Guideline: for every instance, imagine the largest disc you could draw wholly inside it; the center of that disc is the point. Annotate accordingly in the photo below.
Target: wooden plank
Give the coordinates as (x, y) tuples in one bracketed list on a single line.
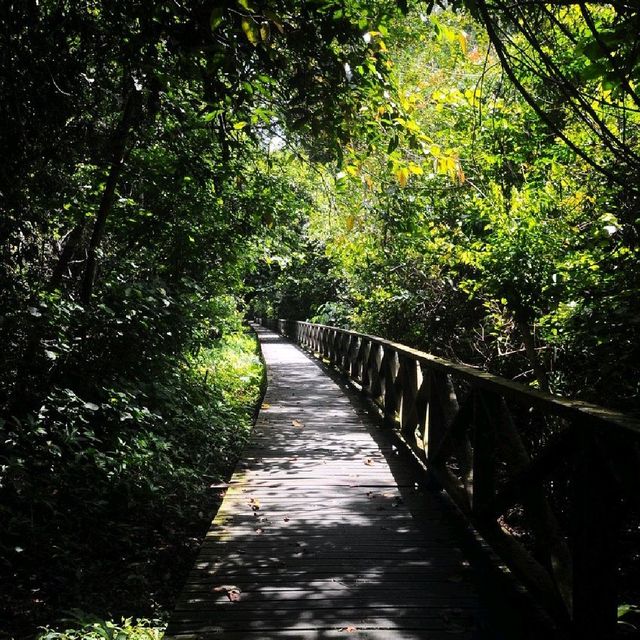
[(351, 633), (208, 595), (336, 619)]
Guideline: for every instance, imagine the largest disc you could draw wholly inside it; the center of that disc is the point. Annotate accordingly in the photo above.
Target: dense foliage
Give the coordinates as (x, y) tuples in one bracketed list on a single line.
[(104, 504), (462, 222), (460, 176), (138, 188)]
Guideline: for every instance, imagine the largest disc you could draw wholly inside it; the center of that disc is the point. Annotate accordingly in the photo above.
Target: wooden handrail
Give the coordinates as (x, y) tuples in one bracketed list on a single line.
[(543, 478)]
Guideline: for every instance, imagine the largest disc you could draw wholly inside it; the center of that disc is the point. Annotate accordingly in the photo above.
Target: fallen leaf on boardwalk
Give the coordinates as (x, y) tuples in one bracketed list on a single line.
[(297, 423), (265, 405), (286, 518), (259, 530), (254, 504), (368, 461), (349, 629), (231, 591)]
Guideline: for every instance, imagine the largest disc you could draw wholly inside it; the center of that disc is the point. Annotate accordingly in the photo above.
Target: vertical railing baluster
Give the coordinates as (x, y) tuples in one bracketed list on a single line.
[(486, 407), (422, 407), (375, 362), (594, 536), (442, 406), (409, 394), (390, 398)]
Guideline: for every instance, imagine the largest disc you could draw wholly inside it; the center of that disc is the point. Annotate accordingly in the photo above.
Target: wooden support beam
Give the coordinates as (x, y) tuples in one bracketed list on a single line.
[(594, 524)]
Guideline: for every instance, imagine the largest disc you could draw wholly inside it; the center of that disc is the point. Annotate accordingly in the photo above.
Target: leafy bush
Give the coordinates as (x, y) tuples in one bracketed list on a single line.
[(106, 490), (83, 627)]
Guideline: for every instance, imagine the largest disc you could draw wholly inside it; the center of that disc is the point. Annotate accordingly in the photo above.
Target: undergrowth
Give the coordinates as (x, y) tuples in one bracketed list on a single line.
[(105, 517)]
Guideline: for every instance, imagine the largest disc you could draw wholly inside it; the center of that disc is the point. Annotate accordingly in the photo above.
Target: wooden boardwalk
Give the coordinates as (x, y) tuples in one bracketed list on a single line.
[(315, 538)]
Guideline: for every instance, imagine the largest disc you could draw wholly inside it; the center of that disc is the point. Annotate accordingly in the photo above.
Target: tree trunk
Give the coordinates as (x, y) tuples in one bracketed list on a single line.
[(121, 137), (68, 251)]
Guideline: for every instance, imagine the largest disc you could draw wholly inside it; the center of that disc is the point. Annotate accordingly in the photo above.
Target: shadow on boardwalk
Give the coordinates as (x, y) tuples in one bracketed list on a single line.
[(325, 531)]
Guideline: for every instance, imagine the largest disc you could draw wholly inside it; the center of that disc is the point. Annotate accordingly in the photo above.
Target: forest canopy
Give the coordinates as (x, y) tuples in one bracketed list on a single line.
[(486, 207), (458, 176)]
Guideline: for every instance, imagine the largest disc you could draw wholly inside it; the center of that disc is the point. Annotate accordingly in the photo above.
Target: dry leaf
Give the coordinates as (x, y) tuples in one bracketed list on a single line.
[(259, 530), (265, 405), (297, 423), (286, 518), (349, 629), (368, 461), (254, 504), (230, 590)]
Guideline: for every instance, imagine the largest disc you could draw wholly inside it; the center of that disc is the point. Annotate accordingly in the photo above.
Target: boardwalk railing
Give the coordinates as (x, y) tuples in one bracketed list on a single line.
[(551, 484)]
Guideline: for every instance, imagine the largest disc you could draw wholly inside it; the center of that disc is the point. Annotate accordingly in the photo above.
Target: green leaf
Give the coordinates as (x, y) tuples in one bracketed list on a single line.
[(248, 5), (250, 29), (265, 32), (593, 71), (216, 18), (208, 117)]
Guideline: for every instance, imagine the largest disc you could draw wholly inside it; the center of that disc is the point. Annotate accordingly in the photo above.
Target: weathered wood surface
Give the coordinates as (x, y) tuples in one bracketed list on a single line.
[(314, 539)]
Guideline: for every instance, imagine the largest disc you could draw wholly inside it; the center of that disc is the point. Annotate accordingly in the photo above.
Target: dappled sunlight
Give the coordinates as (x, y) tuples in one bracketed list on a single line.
[(314, 537)]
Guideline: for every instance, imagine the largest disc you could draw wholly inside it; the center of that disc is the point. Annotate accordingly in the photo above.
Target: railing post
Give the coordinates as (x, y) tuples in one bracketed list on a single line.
[(353, 357), (374, 365), (594, 535), (333, 353), (408, 396), (365, 350), (388, 372), (422, 408), (486, 408), (345, 348), (442, 406)]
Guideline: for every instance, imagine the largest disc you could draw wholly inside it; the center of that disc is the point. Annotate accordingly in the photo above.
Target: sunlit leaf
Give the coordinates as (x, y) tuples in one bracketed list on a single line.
[(402, 176), (462, 39), (216, 18), (248, 5), (250, 29)]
